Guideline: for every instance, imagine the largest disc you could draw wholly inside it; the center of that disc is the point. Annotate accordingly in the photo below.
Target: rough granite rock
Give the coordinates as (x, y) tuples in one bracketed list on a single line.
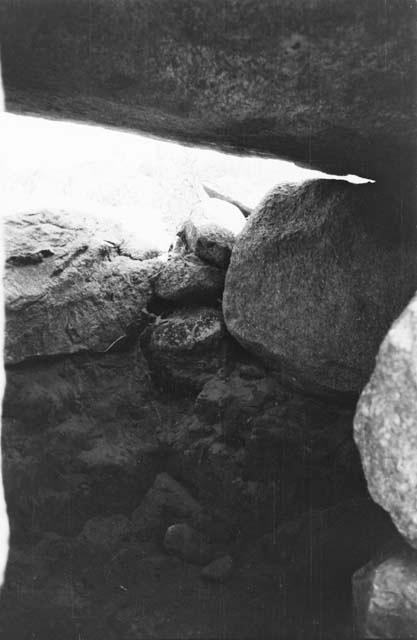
[(386, 425), (68, 286), (327, 83), (186, 348), (189, 277), (316, 278), (385, 597), (211, 230)]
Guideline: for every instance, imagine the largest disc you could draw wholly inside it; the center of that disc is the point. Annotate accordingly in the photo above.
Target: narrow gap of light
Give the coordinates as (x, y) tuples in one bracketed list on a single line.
[(60, 163)]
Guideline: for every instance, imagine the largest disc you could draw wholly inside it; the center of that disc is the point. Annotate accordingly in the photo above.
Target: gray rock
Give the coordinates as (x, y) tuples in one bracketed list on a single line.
[(189, 277), (186, 348), (67, 288), (107, 532), (386, 425), (185, 542), (211, 230), (385, 597), (308, 82), (164, 504), (316, 278), (219, 570)]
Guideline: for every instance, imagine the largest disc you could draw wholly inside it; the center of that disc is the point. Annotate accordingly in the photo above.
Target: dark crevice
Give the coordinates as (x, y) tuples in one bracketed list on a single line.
[(27, 259)]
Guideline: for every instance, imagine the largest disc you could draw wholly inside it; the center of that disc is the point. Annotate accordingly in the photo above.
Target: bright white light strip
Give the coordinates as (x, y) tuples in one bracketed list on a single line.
[(47, 162), (4, 521)]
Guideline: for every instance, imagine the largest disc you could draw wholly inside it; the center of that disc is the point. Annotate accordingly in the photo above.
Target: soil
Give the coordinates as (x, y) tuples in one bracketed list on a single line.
[(82, 595)]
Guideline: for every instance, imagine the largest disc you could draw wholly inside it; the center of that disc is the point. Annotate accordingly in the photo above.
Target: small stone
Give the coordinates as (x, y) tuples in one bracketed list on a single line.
[(185, 542), (219, 570), (315, 279), (189, 277), (211, 230), (385, 597)]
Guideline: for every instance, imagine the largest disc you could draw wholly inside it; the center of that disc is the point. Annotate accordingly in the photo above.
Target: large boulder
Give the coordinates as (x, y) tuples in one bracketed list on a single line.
[(68, 286), (316, 278), (386, 425), (330, 84)]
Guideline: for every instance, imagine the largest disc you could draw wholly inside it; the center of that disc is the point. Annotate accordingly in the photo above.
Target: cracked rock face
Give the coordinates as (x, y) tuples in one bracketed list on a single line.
[(386, 425), (189, 278), (68, 285), (316, 278)]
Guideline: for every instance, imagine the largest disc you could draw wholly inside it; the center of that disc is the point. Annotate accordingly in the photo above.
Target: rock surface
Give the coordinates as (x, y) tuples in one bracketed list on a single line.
[(186, 347), (328, 84), (385, 597), (211, 230), (316, 278), (67, 286), (386, 425), (189, 278)]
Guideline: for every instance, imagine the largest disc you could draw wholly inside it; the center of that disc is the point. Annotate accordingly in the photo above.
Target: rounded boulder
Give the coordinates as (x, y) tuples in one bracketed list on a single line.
[(385, 425), (316, 278)]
